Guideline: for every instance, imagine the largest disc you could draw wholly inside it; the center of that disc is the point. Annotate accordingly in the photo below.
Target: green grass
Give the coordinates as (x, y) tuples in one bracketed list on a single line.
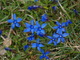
[(70, 50)]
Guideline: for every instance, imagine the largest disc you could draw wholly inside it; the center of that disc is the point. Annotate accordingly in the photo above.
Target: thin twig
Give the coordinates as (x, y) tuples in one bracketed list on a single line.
[(64, 9), (3, 22), (9, 33), (3, 37)]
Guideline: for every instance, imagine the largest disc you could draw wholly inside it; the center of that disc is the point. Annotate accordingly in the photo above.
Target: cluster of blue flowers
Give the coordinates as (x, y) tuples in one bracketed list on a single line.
[(35, 28)]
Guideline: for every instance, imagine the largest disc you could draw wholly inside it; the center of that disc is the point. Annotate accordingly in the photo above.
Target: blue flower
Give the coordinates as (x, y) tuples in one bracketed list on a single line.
[(39, 28), (44, 54), (15, 21), (33, 7), (35, 0), (37, 44), (0, 32), (26, 47), (60, 28), (8, 49), (54, 8), (44, 18), (68, 22), (75, 11), (30, 27), (30, 38), (60, 37), (53, 40)]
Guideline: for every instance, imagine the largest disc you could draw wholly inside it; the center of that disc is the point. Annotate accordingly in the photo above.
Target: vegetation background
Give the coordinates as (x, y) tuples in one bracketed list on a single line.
[(70, 50)]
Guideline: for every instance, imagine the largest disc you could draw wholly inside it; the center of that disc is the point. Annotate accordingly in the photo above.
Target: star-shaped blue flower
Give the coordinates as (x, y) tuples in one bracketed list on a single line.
[(68, 22), (15, 21), (44, 54), (35, 0), (54, 8), (60, 37), (44, 18), (39, 28), (33, 7), (26, 47), (52, 40), (0, 32), (37, 44), (30, 38), (59, 28), (30, 27)]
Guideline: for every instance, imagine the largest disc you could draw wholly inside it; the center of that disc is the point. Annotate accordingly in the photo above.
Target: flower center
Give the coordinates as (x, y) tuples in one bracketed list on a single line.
[(39, 28), (15, 21), (31, 26)]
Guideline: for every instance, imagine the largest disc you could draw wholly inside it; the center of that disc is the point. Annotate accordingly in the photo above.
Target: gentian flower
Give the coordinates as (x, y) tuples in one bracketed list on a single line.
[(0, 32), (39, 28), (8, 49), (26, 47), (44, 54), (75, 11), (35, 0), (68, 22), (52, 40), (54, 8), (59, 28), (30, 27), (15, 21), (44, 18), (30, 38), (33, 7), (37, 45), (60, 37)]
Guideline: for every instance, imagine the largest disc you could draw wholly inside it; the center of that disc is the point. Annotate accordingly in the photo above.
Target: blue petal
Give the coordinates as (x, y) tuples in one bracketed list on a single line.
[(55, 43), (40, 45), (38, 40), (59, 31), (47, 52), (42, 31), (42, 51), (32, 22), (0, 32), (43, 25), (47, 57), (57, 23), (49, 37), (39, 49), (26, 47), (50, 41), (63, 29), (13, 26), (35, 0), (27, 30), (19, 19), (59, 39), (54, 7), (55, 35), (17, 25), (33, 45), (14, 16), (10, 21), (63, 40), (63, 24), (41, 57), (27, 25), (30, 38), (32, 30), (65, 34), (55, 27), (37, 23)]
